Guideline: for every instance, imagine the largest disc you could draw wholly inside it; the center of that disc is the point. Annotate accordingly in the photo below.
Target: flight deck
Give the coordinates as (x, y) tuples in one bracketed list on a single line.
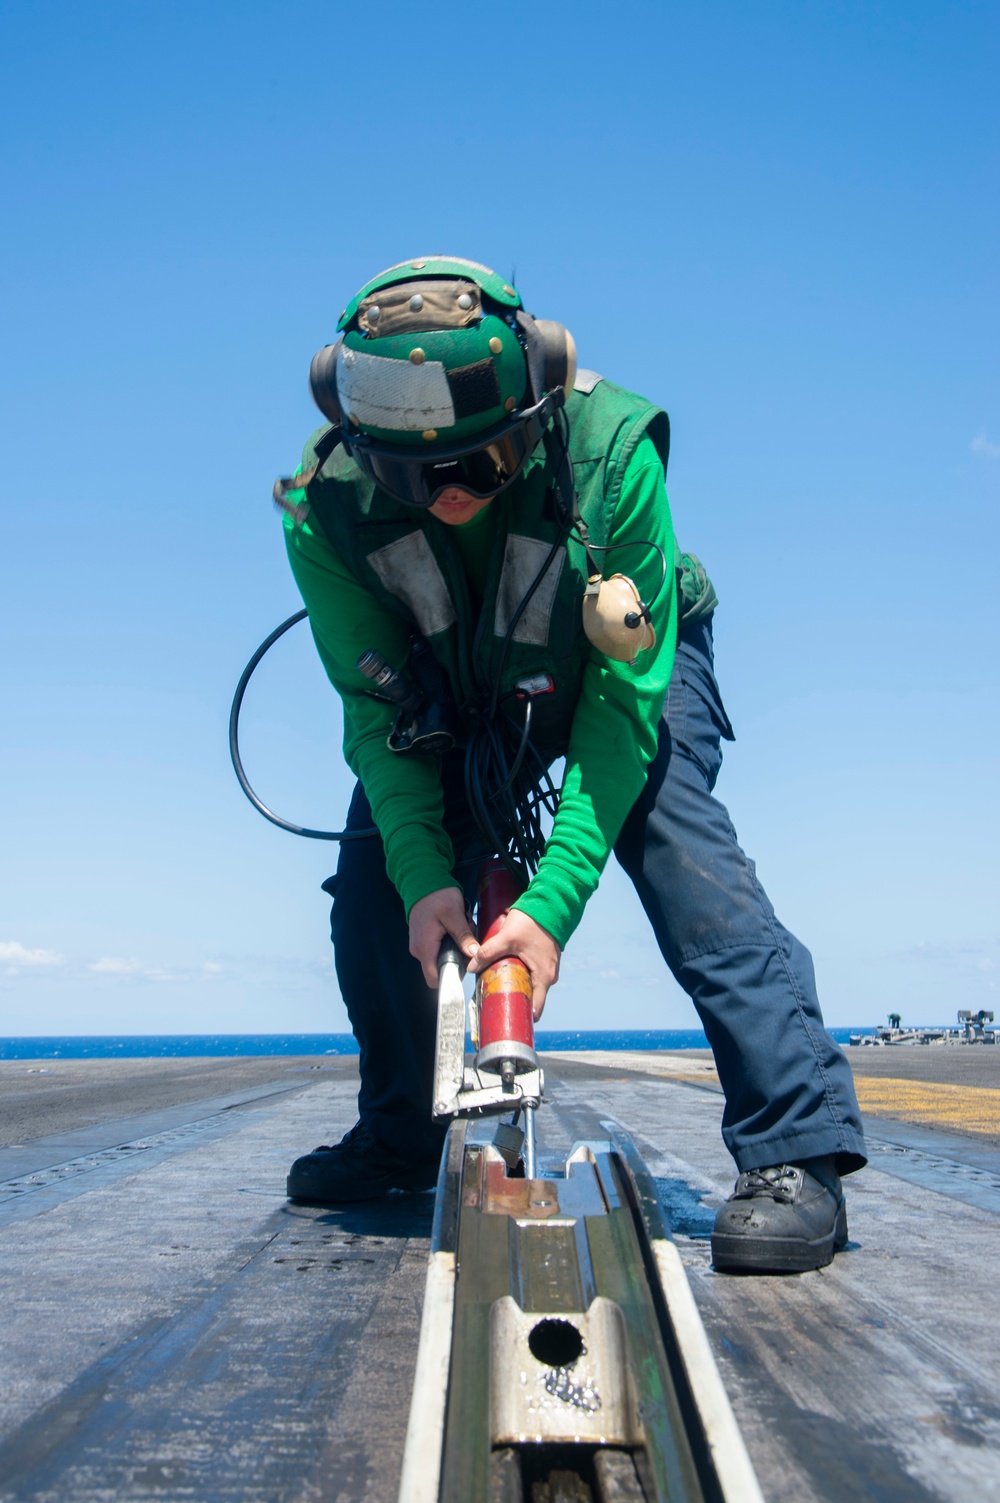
[(175, 1329)]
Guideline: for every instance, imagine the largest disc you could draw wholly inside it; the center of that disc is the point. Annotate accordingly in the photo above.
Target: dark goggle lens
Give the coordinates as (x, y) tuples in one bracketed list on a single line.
[(483, 472), (393, 475)]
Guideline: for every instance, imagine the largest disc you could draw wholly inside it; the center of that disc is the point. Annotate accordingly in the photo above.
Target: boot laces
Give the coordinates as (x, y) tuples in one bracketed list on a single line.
[(779, 1181), (357, 1137)]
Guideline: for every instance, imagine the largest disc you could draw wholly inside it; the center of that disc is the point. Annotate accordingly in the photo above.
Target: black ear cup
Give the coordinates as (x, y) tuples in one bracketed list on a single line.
[(550, 351), (323, 381), (559, 354)]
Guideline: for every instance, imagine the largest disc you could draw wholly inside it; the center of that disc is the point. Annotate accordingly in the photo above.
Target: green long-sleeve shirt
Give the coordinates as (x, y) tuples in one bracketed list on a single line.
[(614, 730)]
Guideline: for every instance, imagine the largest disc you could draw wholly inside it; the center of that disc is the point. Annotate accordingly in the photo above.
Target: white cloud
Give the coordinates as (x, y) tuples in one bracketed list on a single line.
[(944, 954), (982, 445), (137, 970), (115, 965), (16, 956), (131, 969)]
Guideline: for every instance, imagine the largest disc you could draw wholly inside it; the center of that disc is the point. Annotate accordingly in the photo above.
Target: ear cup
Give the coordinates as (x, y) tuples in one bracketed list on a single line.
[(559, 349), (323, 381), (551, 355), (605, 620)]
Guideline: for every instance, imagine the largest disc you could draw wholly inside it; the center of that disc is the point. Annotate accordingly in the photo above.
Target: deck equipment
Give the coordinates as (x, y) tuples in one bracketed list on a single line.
[(562, 1358)]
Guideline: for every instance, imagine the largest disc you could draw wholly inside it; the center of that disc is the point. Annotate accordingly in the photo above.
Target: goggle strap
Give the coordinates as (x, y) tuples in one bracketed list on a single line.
[(285, 484)]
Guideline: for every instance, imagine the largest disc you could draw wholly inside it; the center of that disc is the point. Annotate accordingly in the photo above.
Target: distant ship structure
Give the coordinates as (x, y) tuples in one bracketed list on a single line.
[(973, 1028)]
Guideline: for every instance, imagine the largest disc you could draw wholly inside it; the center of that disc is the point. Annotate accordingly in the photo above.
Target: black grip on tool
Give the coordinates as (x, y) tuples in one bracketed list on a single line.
[(450, 954)]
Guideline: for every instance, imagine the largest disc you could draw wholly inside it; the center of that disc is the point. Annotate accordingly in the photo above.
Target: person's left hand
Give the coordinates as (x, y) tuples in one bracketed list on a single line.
[(440, 913), (534, 946)]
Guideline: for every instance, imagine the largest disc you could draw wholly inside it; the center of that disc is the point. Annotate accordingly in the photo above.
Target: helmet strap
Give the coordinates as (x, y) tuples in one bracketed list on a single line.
[(285, 484)]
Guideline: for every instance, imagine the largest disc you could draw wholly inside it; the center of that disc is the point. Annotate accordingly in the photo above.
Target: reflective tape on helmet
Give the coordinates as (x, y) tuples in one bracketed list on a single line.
[(378, 392)]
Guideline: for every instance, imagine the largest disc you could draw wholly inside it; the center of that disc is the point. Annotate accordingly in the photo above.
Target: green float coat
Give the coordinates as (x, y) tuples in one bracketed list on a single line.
[(604, 715)]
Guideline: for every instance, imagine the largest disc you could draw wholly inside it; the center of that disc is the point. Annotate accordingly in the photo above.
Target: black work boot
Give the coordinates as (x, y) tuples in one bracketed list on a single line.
[(784, 1219), (357, 1168)]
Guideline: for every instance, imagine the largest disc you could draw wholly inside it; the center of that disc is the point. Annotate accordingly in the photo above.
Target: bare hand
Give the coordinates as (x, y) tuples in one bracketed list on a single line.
[(431, 918), (531, 944)]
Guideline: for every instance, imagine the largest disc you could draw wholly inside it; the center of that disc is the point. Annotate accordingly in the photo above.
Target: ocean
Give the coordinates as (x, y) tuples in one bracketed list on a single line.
[(181, 1045)]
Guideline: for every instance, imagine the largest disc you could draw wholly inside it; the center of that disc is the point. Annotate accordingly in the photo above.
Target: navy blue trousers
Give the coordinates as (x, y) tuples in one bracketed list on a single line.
[(788, 1087)]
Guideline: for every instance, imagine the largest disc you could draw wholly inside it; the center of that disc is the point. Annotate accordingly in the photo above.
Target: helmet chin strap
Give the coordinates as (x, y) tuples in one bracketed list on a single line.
[(615, 617)]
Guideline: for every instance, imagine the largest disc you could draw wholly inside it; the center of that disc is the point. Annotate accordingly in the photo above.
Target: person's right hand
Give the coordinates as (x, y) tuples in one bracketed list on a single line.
[(431, 918), (524, 939)]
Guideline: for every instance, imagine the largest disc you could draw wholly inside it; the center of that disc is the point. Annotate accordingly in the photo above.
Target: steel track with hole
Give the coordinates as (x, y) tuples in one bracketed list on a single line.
[(562, 1358)]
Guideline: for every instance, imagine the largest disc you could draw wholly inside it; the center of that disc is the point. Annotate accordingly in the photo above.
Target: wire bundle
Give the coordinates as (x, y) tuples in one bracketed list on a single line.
[(509, 790)]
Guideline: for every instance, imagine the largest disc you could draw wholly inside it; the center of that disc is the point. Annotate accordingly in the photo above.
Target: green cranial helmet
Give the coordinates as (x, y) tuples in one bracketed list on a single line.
[(436, 357)]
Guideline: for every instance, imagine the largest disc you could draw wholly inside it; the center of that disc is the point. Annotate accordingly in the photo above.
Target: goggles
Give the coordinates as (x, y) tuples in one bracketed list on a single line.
[(483, 465)]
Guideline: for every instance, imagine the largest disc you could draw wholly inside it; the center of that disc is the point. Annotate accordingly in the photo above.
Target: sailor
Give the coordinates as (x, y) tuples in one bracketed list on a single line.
[(483, 517)]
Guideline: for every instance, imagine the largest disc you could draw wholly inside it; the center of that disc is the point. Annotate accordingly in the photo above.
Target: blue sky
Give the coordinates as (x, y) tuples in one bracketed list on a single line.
[(779, 221)]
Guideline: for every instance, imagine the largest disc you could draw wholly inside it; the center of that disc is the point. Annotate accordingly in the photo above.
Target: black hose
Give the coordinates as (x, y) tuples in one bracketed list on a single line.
[(522, 748), (234, 748)]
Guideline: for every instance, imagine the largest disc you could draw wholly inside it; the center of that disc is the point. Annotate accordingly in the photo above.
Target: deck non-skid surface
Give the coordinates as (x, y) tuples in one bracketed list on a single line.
[(173, 1329)]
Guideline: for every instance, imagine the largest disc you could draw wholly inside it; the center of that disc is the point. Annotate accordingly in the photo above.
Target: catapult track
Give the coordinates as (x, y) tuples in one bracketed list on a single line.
[(560, 1346)]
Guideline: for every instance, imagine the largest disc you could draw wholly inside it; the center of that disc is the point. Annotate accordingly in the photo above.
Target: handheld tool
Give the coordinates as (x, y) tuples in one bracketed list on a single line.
[(505, 1075)]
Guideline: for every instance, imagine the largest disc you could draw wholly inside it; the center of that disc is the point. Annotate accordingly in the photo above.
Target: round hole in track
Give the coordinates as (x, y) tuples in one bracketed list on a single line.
[(555, 1343)]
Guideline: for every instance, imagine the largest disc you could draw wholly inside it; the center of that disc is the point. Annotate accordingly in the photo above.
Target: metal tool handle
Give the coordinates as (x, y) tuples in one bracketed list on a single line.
[(449, 1049)]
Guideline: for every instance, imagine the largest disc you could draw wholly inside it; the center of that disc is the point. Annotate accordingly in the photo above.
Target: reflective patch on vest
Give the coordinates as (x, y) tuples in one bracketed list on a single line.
[(385, 393), (523, 558), (409, 570), (585, 381)]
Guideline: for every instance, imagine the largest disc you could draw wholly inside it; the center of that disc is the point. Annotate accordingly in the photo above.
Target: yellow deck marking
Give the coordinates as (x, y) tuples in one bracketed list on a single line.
[(970, 1108), (974, 1109)]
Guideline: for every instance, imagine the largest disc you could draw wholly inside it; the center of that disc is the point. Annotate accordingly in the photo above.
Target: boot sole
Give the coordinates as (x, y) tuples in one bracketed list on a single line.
[(737, 1254), (308, 1190)]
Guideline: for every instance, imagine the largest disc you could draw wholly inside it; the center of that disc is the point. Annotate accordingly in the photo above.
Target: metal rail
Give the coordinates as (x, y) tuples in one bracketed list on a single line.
[(562, 1358)]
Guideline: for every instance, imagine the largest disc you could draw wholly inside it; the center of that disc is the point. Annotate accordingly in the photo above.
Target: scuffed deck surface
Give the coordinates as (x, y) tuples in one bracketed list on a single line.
[(174, 1329)]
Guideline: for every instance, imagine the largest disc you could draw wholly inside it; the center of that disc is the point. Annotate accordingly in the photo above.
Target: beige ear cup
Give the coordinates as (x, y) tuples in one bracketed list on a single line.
[(605, 605)]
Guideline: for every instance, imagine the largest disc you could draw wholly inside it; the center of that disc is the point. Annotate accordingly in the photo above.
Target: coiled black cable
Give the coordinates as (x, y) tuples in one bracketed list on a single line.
[(509, 792), (234, 748)]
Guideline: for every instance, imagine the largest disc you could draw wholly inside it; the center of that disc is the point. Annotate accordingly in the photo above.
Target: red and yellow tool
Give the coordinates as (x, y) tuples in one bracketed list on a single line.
[(505, 1037)]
